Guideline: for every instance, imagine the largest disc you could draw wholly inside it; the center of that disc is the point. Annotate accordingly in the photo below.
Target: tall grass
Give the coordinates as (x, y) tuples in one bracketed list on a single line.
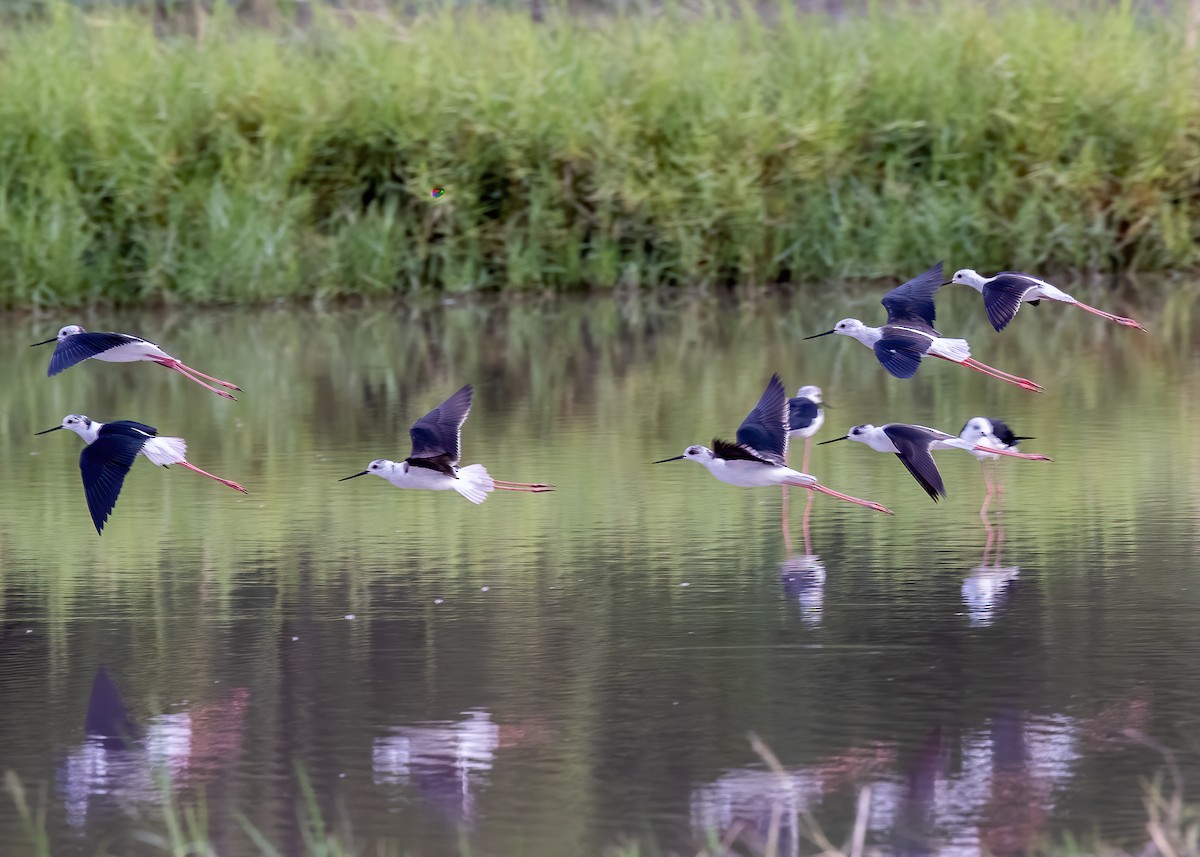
[(668, 147)]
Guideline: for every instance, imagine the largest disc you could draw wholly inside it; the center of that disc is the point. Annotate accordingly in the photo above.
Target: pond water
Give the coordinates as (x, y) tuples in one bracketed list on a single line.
[(551, 674)]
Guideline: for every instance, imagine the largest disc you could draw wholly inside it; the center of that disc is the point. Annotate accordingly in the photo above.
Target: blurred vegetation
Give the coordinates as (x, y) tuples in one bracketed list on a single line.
[(180, 158)]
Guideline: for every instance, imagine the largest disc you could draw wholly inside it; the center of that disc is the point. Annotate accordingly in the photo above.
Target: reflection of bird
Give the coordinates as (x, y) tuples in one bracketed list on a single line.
[(914, 446), (757, 457), (1004, 293), (989, 435), (803, 579), (110, 451), (436, 450), (76, 345), (909, 333)]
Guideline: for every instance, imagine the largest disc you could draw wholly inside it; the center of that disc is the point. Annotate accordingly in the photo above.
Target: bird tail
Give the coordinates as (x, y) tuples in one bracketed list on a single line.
[(165, 450), (955, 349), (474, 483)]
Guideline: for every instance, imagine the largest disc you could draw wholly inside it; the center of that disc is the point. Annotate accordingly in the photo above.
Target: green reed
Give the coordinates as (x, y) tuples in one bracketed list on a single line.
[(683, 146)]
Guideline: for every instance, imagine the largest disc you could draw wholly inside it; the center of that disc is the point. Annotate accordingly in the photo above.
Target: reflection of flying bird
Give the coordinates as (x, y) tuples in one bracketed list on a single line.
[(757, 457), (909, 333), (436, 450), (76, 345), (914, 446), (1004, 293), (110, 451)]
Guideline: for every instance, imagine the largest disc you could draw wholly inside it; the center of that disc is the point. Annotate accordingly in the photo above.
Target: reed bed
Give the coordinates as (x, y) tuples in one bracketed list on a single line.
[(675, 146)]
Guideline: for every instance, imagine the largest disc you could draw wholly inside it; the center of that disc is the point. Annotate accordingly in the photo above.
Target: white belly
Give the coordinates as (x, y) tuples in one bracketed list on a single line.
[(810, 429), (421, 478), (165, 450), (753, 474), (132, 352)]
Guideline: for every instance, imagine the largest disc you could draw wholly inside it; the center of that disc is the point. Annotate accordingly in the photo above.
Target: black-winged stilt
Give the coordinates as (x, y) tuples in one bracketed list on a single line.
[(756, 459), (805, 418), (909, 333), (1004, 293), (76, 345), (436, 450), (988, 435), (110, 451), (914, 446)]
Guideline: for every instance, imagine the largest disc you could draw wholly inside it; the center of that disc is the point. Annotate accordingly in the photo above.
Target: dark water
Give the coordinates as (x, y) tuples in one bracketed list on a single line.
[(546, 674)]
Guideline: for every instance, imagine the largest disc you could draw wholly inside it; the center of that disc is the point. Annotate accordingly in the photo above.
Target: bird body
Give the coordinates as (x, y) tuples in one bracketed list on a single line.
[(1004, 293), (990, 435), (110, 451), (436, 450), (74, 345), (805, 414), (909, 333), (745, 473)]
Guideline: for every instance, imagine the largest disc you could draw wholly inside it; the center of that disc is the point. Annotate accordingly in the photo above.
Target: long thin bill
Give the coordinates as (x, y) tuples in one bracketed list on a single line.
[(47, 342), (355, 476), (835, 440), (47, 431), (665, 460), (815, 335)]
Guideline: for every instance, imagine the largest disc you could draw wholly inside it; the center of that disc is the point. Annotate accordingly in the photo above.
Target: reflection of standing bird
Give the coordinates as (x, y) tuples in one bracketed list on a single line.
[(76, 345), (436, 450), (1004, 293), (110, 451)]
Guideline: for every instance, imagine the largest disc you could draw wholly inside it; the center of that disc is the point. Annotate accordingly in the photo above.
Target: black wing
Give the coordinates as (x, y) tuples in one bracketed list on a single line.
[(80, 346), (1002, 297), (1005, 435), (123, 427), (801, 413), (104, 465), (913, 443), (438, 434), (900, 354), (913, 301), (765, 430), (737, 452)]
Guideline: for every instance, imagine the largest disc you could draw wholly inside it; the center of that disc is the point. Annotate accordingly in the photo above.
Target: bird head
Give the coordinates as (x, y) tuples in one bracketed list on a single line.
[(82, 425), (861, 434), (977, 429), (701, 454), (379, 467), (967, 277), (813, 394), (63, 333)]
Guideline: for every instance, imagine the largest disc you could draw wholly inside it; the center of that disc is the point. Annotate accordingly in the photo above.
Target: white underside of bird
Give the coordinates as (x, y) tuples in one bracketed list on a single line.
[(132, 352), (754, 474), (957, 350), (810, 429), (472, 481), (160, 450)]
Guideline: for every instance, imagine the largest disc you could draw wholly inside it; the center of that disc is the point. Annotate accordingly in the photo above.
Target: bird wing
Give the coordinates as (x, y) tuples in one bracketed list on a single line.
[(1005, 435), (901, 355), (737, 452), (1003, 295), (765, 431), (80, 346), (438, 434), (120, 426), (913, 301), (913, 445), (801, 413), (103, 465)]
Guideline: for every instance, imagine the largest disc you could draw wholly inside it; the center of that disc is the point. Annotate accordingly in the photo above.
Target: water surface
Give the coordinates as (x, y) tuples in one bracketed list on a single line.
[(544, 674)]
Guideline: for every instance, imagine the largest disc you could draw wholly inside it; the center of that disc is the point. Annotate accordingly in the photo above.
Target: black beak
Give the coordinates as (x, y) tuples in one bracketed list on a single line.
[(948, 283), (665, 460), (835, 440), (355, 476), (815, 335), (47, 342), (47, 431)]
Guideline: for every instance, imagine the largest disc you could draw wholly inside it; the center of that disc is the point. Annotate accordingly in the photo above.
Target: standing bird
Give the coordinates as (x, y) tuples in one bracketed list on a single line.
[(436, 450), (909, 333), (805, 418), (989, 436), (914, 446), (1004, 293), (110, 451), (757, 458), (76, 345)]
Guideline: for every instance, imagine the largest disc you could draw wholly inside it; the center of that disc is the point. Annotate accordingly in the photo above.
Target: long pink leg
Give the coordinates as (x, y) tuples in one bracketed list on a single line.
[(200, 374), (816, 486), (807, 451), (1023, 383), (987, 481), (176, 366), (529, 487), (1119, 319), (1030, 456), (228, 482)]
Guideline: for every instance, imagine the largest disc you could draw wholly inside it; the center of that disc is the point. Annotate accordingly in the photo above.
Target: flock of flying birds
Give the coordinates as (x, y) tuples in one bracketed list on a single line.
[(758, 457)]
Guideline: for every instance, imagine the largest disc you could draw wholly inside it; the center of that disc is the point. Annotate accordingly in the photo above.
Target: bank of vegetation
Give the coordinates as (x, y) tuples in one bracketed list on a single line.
[(679, 146)]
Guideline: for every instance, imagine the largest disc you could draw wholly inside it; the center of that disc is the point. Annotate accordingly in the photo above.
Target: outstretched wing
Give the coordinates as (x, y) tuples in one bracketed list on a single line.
[(737, 452), (1005, 435), (765, 430), (103, 465), (912, 443), (900, 355), (117, 426), (801, 413), (80, 346), (438, 434), (913, 301), (1003, 295)]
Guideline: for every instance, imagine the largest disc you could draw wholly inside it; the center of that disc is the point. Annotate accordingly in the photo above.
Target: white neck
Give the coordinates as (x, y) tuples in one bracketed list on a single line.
[(868, 336), (89, 433)]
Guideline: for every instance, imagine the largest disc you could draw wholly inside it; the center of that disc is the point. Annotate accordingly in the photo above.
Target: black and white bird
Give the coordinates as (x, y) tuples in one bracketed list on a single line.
[(909, 333), (436, 450), (914, 446), (806, 415), (110, 452), (76, 345), (990, 437), (756, 459), (1004, 293)]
